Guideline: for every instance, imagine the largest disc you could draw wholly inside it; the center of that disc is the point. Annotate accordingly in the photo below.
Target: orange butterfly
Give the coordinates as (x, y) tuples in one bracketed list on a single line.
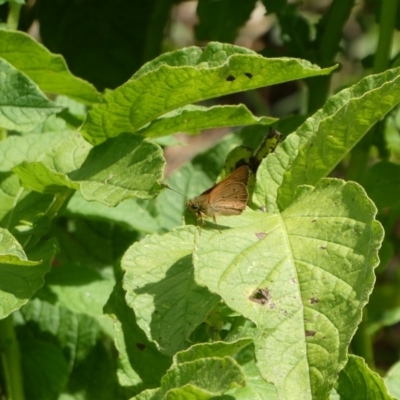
[(228, 197)]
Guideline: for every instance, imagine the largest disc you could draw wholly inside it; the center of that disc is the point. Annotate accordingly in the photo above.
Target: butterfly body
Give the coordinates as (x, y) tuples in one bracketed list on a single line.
[(228, 197)]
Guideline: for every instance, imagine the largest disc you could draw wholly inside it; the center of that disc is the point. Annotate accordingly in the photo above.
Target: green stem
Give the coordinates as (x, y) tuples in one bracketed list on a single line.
[(60, 201), (358, 161), (13, 15), (362, 344), (11, 360), (386, 29), (256, 101), (328, 43)]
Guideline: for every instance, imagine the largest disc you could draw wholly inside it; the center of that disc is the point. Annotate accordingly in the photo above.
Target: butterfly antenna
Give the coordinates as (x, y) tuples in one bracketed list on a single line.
[(170, 188)]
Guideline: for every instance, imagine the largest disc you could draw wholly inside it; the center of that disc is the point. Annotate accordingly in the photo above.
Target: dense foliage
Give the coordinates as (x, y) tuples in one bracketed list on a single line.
[(109, 290)]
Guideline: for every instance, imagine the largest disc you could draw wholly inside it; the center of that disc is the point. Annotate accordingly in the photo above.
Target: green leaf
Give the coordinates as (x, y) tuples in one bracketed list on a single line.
[(193, 119), (216, 349), (94, 290), (44, 368), (183, 77), (210, 376), (357, 382), (20, 278), (221, 20), (129, 214), (392, 380), (124, 167), (303, 276), (325, 138), (161, 290), (256, 387), (14, 150), (22, 105), (38, 177), (49, 71), (20, 210), (75, 334)]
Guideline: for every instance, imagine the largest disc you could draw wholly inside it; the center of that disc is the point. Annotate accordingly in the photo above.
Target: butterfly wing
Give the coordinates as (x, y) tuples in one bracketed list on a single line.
[(231, 200), (230, 196)]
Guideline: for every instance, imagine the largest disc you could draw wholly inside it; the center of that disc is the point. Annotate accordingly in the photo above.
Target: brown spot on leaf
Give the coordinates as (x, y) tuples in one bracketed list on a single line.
[(314, 300), (260, 296), (248, 74), (310, 333), (230, 78), (261, 235)]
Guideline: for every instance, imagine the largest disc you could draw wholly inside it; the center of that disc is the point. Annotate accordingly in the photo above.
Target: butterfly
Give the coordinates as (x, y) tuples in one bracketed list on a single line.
[(228, 197)]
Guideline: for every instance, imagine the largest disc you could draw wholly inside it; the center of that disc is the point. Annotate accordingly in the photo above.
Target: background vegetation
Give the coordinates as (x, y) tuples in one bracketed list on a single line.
[(105, 293)]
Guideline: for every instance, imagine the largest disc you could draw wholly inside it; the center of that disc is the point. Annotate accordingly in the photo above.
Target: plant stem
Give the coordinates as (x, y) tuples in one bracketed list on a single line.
[(60, 201), (328, 42), (361, 343), (13, 15), (386, 28), (11, 360), (358, 161)]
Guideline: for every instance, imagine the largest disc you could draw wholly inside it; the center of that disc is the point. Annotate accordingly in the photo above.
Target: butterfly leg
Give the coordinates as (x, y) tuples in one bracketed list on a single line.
[(215, 222)]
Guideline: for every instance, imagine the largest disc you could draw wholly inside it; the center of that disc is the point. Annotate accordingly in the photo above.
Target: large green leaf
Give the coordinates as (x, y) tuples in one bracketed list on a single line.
[(160, 288), (325, 138), (302, 275), (49, 71), (187, 76), (22, 105)]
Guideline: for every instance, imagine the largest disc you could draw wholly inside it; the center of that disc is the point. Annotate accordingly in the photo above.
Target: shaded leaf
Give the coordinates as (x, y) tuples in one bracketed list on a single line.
[(140, 364), (357, 382), (161, 289)]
